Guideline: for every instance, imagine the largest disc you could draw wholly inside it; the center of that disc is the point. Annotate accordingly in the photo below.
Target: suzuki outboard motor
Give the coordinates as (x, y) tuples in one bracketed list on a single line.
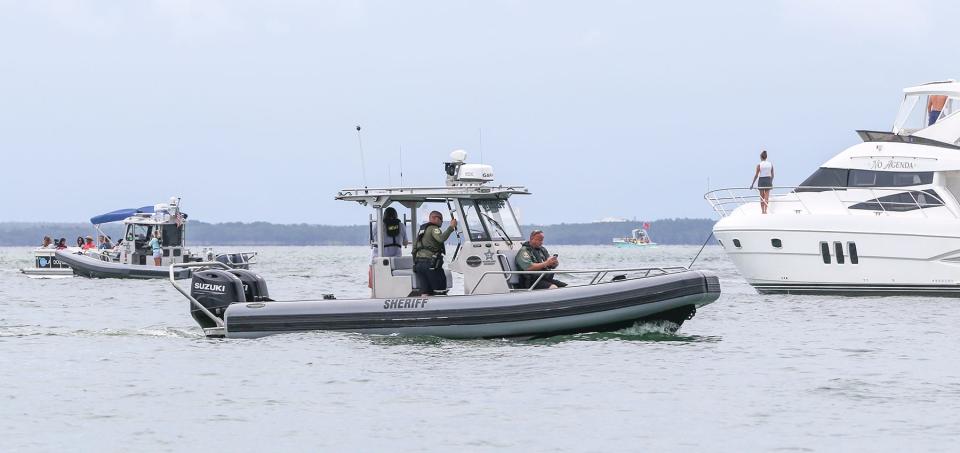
[(254, 286), (215, 289)]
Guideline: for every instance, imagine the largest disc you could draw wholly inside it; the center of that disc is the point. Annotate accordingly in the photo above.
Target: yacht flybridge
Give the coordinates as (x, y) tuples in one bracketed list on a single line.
[(881, 217), (491, 303)]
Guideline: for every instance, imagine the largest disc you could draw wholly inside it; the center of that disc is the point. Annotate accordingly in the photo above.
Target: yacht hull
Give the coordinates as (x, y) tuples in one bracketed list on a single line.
[(842, 255)]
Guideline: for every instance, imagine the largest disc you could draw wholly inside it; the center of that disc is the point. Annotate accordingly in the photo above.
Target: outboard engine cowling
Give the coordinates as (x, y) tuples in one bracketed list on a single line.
[(254, 286), (215, 289)]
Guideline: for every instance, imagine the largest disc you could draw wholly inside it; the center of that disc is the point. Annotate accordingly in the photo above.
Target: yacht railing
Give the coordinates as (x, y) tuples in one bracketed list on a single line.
[(788, 199), (598, 275)]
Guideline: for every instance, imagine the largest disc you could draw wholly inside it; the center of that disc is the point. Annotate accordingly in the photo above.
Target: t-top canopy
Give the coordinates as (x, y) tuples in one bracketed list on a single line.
[(119, 214)]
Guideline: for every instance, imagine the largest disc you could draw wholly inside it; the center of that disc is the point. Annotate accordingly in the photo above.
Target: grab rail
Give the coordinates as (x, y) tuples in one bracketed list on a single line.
[(725, 201), (599, 274), (220, 329)]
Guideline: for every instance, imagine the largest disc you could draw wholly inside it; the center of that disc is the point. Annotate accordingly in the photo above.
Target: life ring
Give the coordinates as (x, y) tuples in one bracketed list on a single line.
[(80, 241)]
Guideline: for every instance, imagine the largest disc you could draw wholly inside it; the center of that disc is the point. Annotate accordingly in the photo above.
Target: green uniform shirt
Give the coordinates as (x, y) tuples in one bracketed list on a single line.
[(529, 255), (432, 239)]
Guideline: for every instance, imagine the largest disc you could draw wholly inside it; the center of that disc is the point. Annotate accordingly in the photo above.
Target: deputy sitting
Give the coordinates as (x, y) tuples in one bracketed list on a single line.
[(533, 256), (428, 251)]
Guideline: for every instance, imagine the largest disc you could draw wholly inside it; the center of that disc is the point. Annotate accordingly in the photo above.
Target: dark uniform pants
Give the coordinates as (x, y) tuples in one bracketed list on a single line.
[(429, 280)]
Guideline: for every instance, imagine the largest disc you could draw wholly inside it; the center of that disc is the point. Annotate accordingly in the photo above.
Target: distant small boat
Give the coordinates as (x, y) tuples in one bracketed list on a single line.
[(638, 238)]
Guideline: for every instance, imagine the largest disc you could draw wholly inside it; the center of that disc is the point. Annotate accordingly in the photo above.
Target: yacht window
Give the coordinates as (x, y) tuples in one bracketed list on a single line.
[(863, 178), (825, 252), (497, 216), (827, 178), (776, 243), (871, 178), (720, 242), (471, 218), (902, 202), (838, 250), (736, 243), (913, 114), (824, 179), (852, 249)]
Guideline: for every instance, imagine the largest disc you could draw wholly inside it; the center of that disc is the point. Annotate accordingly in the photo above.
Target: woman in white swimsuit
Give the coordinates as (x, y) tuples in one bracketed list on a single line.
[(765, 175)]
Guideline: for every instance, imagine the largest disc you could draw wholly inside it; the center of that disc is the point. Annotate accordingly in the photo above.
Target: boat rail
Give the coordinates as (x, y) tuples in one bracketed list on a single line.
[(599, 274), (725, 201), (220, 330)]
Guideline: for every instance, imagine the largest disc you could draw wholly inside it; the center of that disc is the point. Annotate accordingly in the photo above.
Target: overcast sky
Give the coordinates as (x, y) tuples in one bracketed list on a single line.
[(246, 109)]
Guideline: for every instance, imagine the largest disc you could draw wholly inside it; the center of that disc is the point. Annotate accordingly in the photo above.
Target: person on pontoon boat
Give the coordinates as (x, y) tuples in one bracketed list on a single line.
[(533, 256), (88, 243), (428, 251), (47, 243), (62, 244), (105, 243)]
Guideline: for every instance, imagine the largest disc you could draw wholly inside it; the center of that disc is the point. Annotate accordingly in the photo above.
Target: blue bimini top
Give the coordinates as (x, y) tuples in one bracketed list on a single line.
[(119, 214)]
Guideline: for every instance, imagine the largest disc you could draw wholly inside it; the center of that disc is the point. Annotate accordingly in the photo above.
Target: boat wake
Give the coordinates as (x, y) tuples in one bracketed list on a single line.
[(17, 331)]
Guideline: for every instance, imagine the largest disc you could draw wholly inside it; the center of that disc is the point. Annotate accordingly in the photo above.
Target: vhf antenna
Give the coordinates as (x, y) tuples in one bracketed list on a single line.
[(363, 163), (401, 165), (481, 144)]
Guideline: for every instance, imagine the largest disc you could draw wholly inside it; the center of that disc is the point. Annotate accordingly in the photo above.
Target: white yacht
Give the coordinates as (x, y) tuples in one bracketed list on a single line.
[(881, 217)]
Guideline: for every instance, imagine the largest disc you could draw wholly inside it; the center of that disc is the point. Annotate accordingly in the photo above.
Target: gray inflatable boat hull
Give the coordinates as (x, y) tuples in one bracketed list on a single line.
[(85, 266), (595, 308)]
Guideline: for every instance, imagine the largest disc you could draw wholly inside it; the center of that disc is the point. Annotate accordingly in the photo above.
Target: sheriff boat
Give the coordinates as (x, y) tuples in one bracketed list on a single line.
[(491, 303)]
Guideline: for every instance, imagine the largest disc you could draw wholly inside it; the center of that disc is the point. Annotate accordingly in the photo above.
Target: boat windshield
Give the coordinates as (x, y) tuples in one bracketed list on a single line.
[(921, 110), (493, 216), (139, 233)]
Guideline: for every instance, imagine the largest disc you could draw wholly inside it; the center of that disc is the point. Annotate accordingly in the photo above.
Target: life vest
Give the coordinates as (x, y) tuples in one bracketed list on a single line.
[(392, 230), (433, 247)]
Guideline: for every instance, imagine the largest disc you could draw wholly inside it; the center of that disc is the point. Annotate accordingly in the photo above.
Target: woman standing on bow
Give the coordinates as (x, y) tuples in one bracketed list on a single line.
[(765, 175)]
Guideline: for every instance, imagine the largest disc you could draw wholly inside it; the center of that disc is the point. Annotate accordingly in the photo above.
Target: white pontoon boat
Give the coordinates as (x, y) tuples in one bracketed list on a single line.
[(638, 238), (47, 265)]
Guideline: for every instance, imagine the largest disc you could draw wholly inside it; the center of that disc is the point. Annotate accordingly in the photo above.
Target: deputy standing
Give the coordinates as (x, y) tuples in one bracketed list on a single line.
[(428, 251)]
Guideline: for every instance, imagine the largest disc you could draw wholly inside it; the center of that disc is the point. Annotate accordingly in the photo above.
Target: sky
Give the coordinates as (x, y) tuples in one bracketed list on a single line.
[(246, 109)]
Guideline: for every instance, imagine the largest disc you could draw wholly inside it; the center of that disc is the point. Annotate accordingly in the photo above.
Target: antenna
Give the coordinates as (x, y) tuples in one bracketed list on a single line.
[(401, 165), (389, 175), (363, 163), (481, 144)]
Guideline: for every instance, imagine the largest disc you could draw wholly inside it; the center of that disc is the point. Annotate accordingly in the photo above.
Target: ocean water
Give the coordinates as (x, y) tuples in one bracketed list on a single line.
[(114, 365)]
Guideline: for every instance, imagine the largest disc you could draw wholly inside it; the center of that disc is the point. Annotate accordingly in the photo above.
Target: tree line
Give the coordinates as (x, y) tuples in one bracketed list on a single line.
[(665, 231)]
